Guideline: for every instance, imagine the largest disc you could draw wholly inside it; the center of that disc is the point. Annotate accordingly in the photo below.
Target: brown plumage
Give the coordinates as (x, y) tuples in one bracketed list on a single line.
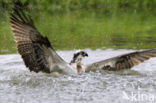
[(38, 54), (79, 68), (125, 61), (34, 48)]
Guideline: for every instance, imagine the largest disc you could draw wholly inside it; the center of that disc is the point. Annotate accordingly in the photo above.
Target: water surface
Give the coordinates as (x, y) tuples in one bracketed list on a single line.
[(18, 85)]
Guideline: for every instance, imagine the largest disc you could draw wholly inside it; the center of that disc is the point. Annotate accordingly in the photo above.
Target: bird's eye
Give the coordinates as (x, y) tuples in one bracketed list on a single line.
[(84, 54)]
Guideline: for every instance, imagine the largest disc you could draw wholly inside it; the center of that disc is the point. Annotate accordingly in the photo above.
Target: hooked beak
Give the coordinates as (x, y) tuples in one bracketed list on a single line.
[(85, 55)]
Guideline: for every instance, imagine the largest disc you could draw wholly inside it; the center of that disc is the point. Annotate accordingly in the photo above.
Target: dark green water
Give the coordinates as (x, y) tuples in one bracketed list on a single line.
[(88, 29)]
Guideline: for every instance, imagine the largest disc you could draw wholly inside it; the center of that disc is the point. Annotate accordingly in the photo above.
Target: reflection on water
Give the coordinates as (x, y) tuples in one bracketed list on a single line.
[(88, 29), (18, 85)]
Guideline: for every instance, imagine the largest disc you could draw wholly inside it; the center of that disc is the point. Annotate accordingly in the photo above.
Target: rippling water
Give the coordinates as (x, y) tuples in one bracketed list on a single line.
[(18, 85)]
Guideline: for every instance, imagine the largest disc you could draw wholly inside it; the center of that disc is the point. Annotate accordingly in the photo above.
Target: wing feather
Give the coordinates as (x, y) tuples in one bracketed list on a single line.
[(125, 61), (35, 49)]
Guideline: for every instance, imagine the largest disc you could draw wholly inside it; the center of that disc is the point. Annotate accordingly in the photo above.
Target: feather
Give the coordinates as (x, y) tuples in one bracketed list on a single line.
[(125, 61), (34, 48)]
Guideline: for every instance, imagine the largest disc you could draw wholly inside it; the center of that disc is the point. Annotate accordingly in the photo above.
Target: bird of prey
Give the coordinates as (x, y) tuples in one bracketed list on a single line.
[(39, 55)]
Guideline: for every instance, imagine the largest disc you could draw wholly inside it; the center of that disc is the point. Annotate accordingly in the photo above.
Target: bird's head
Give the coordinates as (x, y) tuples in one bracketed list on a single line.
[(78, 56)]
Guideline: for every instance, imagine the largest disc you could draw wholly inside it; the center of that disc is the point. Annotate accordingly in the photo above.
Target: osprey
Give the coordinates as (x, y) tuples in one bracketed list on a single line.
[(39, 55)]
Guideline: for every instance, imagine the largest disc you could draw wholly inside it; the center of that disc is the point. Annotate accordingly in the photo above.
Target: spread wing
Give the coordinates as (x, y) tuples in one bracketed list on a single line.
[(125, 61), (35, 49)]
